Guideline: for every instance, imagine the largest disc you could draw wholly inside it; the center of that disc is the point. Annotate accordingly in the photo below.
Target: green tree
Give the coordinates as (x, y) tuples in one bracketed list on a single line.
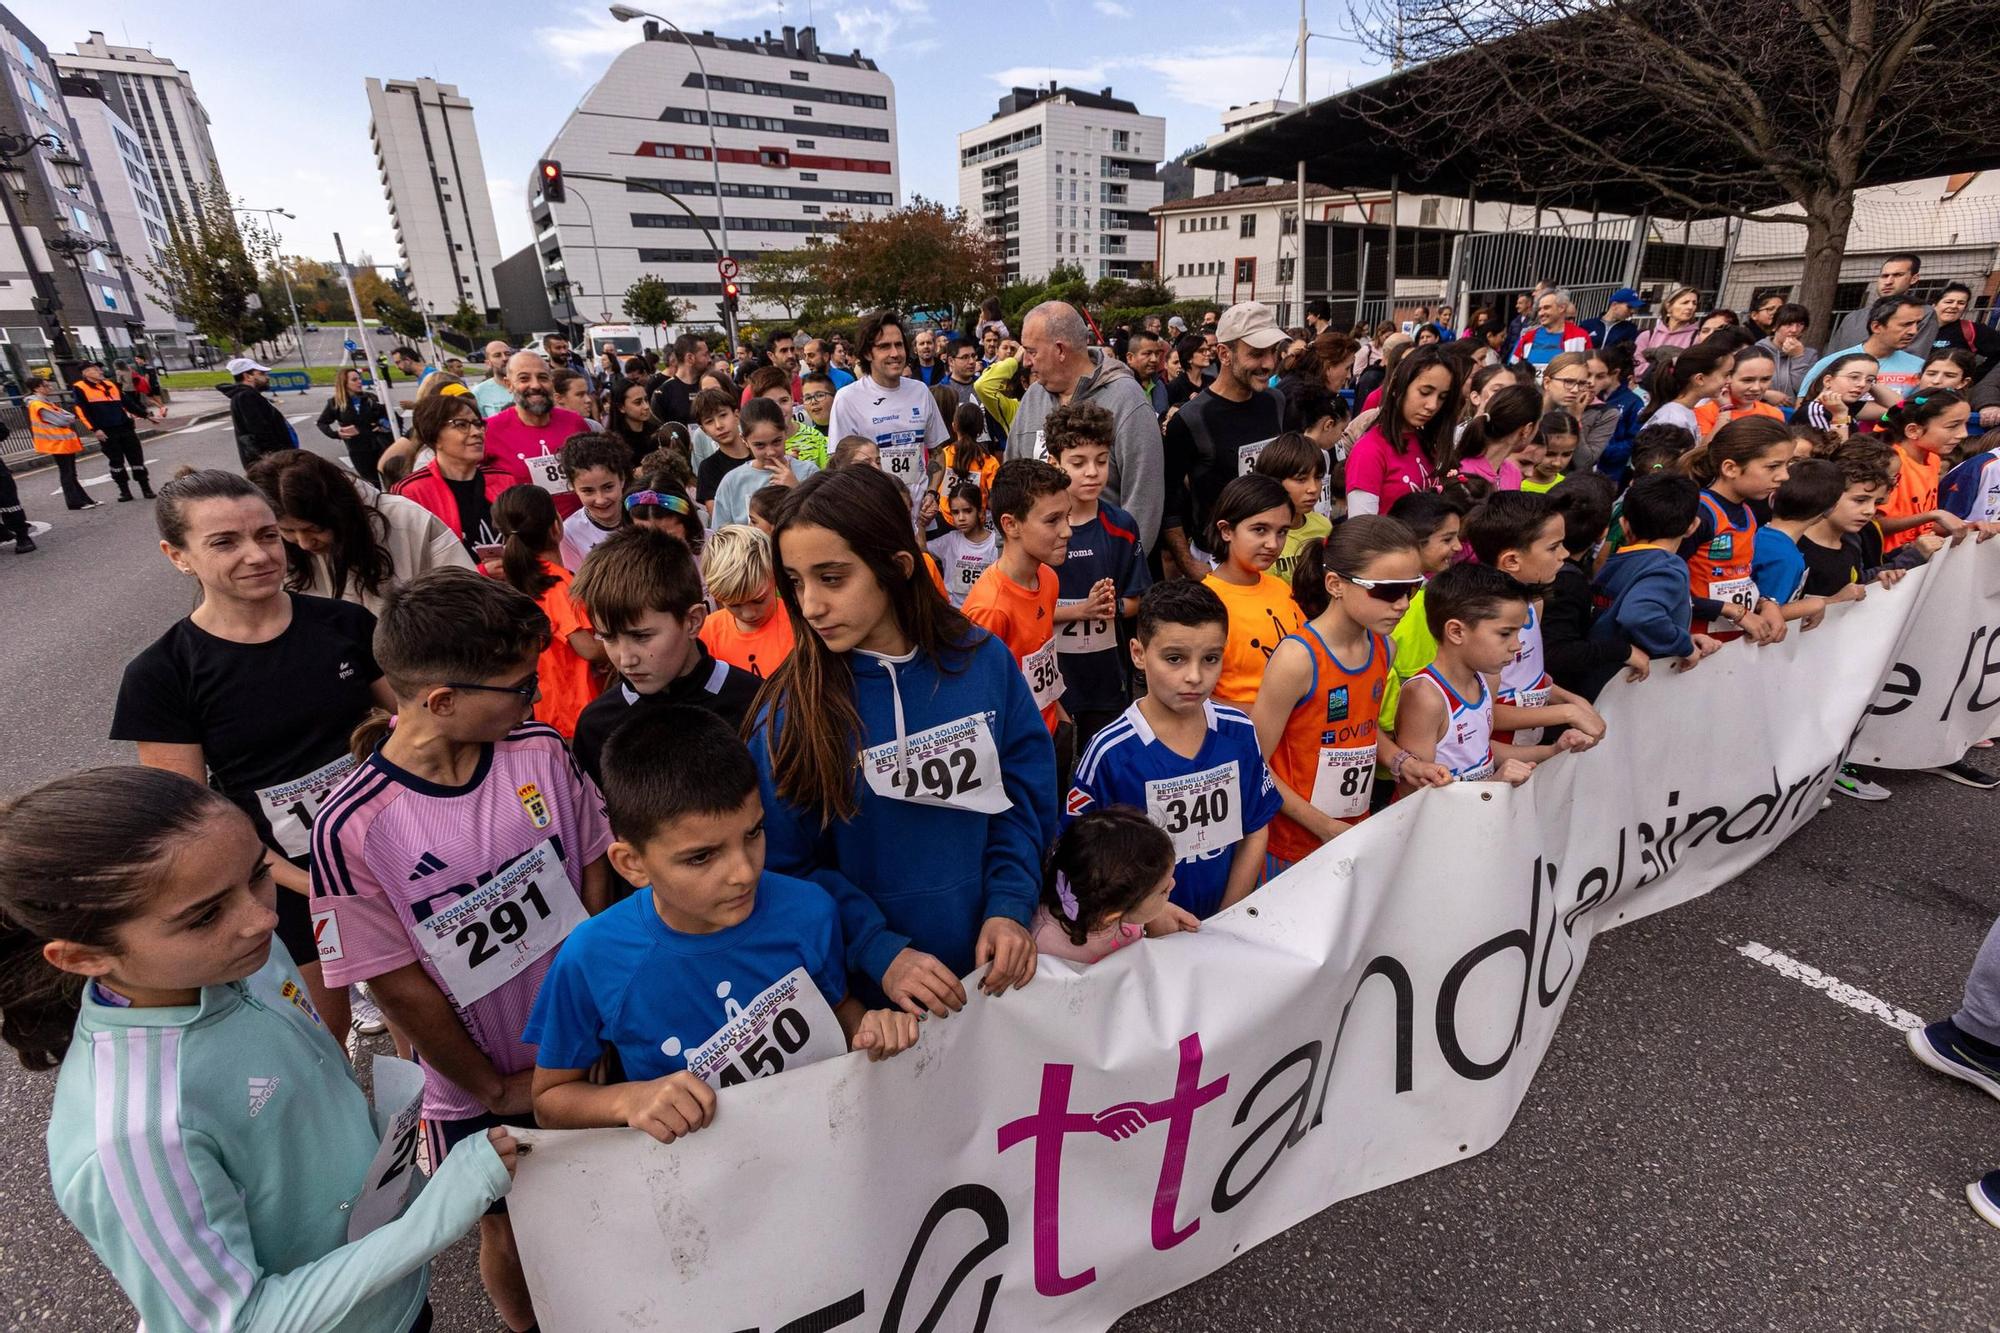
[(782, 278), (923, 254), (466, 320), (205, 271), (648, 301)]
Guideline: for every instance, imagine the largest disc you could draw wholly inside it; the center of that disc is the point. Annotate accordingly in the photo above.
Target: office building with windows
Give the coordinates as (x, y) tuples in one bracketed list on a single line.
[(427, 157), (156, 98), (1061, 176), (136, 220), (803, 137)]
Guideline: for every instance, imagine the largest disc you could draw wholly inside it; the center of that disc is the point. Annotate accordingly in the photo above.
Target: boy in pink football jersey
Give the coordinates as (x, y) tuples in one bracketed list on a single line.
[(453, 861)]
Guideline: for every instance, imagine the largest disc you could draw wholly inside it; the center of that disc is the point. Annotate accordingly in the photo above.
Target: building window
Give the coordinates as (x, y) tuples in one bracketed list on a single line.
[(807, 143), (808, 175), (1288, 222), (800, 76), (1284, 270), (80, 219), (1247, 225), (1427, 212), (110, 297), (802, 111), (808, 208), (1246, 272)]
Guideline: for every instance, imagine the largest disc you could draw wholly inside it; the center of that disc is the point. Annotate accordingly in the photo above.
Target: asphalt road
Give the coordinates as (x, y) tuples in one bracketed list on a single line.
[(1709, 1145)]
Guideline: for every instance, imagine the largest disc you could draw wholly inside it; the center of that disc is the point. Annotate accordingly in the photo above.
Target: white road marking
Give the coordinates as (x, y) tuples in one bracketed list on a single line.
[(36, 528), (1834, 988), (104, 480)]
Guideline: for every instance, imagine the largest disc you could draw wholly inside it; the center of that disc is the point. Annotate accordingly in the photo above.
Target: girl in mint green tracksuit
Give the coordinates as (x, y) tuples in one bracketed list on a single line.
[(208, 1138)]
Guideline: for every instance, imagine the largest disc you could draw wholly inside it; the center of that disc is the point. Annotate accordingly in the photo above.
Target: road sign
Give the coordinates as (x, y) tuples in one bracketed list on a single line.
[(727, 267)]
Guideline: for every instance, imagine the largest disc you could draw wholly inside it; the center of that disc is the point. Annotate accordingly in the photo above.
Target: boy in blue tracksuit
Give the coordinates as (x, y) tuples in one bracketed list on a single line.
[(1643, 590)]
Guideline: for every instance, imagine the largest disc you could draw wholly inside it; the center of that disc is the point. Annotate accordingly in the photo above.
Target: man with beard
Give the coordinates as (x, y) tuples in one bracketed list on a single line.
[(926, 369), (674, 399), (525, 439)]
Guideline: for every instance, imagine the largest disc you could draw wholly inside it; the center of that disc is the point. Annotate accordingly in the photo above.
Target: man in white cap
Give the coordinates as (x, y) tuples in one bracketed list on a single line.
[(1055, 341), (1218, 433), (261, 427)]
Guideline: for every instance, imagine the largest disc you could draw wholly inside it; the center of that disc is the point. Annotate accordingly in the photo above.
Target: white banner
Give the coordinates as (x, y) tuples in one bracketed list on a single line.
[(1941, 692), (1056, 1157)]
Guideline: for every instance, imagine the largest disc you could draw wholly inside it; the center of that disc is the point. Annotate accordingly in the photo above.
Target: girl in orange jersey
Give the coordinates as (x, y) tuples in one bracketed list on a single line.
[(1317, 711)]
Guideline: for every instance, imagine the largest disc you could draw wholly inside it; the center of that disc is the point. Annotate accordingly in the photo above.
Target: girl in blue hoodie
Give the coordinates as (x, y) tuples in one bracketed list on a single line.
[(903, 763)]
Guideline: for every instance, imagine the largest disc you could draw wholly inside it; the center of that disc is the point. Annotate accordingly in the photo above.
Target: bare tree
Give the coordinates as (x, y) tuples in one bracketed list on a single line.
[(1704, 106)]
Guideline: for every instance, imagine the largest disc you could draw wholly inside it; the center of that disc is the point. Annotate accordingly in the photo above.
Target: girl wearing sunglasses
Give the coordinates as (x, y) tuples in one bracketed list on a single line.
[(1318, 709)]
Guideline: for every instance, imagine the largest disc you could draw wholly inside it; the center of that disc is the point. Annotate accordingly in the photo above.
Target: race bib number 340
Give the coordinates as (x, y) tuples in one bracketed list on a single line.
[(495, 933), (955, 765), (1199, 811)]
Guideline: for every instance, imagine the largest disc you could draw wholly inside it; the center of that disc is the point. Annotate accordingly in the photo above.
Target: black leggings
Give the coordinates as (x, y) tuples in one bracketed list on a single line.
[(13, 518)]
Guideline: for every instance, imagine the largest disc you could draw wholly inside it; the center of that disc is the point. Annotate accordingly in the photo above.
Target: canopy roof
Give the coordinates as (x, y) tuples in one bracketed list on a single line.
[(1449, 126)]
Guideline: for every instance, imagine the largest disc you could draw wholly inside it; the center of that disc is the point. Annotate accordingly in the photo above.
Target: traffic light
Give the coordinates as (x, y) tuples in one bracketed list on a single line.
[(553, 190), (730, 291)]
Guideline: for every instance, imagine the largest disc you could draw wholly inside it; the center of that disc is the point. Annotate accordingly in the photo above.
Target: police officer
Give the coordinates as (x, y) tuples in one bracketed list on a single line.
[(102, 405)]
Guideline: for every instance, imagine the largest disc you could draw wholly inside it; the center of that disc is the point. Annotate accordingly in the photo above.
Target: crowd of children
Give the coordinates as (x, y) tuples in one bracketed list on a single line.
[(755, 756)]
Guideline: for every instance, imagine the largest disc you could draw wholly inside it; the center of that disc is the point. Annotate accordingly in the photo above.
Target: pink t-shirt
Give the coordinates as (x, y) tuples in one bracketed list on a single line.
[(511, 442), (392, 851), (1389, 474), (1506, 477), (1050, 938)]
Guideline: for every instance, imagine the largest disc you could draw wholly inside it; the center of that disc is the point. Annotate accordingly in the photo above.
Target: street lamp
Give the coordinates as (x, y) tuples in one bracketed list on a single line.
[(14, 174), (625, 14), (73, 247), (298, 325)]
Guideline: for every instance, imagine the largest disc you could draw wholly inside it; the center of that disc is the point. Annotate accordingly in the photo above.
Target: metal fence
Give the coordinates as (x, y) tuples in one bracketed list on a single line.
[(18, 449)]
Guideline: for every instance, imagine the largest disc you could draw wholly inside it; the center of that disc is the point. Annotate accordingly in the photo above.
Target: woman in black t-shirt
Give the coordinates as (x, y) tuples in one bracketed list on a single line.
[(255, 692)]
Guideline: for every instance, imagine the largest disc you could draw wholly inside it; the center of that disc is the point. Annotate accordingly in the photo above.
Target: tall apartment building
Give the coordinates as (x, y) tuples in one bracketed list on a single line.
[(801, 135), (1061, 176), (136, 218), (427, 156), (155, 97)]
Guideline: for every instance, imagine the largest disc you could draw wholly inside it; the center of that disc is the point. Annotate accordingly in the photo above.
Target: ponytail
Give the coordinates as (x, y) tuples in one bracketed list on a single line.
[(1920, 408), (1741, 442), (526, 517), (1507, 411), (1669, 381), (1309, 576), (80, 857), (1347, 551)]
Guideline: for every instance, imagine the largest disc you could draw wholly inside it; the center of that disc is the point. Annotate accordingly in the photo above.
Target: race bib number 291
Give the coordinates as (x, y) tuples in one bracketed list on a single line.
[(496, 932)]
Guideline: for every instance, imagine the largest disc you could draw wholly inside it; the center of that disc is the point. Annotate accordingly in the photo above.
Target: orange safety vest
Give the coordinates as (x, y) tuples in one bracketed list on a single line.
[(51, 438), (103, 392)]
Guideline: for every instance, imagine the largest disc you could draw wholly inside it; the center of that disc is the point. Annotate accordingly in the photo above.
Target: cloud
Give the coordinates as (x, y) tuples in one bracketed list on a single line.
[(881, 30), (1111, 9), (590, 37), (1027, 76), (1220, 79)]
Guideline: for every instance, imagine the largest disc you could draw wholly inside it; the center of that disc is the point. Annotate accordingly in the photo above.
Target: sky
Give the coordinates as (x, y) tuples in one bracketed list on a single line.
[(289, 114)]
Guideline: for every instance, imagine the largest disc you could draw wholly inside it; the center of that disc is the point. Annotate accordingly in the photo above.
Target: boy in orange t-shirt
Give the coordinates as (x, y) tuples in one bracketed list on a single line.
[(1015, 599), (751, 630)]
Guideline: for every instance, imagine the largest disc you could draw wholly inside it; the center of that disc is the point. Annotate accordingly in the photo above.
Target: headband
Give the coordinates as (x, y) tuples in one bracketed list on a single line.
[(673, 504)]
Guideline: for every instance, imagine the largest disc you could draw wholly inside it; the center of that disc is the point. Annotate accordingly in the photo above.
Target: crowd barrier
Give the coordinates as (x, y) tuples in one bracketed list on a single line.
[(1056, 1157)]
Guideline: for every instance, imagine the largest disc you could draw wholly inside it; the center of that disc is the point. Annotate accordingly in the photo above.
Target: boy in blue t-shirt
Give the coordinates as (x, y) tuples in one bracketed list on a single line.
[(719, 973), (1191, 764), (1100, 580)]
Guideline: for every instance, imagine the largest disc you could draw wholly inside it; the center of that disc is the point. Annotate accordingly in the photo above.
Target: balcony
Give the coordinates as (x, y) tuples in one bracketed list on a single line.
[(1115, 170), (1114, 224), (1113, 194)]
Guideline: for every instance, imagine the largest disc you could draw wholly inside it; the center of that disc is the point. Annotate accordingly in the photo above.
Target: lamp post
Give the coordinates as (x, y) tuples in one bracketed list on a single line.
[(298, 325), (73, 247), (14, 174), (625, 14)]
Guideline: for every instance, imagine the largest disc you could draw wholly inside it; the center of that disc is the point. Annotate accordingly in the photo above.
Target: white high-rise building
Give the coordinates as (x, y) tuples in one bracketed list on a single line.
[(1061, 176), (801, 134), (156, 98), (427, 155), (132, 209)]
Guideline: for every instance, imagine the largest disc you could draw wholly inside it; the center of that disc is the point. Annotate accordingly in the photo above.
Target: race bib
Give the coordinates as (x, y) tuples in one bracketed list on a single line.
[(1198, 811), (956, 765), (787, 1027), (1479, 772), (1045, 680), (967, 569), (393, 1174), (291, 807), (904, 462), (1741, 591), (1344, 781), (495, 933), (1535, 696), (1246, 456), (545, 470), (1083, 636)]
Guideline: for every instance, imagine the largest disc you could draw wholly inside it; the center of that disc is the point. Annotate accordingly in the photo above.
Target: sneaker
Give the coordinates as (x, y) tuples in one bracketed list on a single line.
[(1849, 782), (367, 1018), (1966, 775), (23, 545), (1984, 1195), (1982, 745), (1943, 1047)]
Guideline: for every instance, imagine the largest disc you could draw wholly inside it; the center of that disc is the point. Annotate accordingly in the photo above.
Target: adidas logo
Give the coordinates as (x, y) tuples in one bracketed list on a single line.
[(261, 1091), (427, 864)]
